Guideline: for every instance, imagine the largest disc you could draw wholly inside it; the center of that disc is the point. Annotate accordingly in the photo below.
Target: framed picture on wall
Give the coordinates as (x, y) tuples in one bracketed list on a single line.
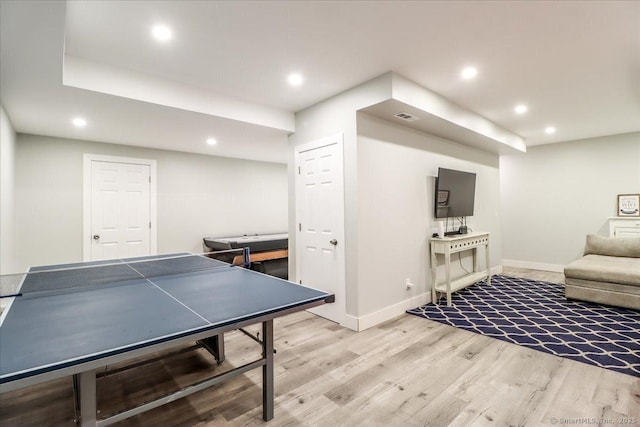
[(443, 197), (628, 204)]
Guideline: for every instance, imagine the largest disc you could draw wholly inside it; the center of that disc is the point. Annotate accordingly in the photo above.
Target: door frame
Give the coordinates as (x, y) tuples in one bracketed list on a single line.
[(86, 200), (337, 139)]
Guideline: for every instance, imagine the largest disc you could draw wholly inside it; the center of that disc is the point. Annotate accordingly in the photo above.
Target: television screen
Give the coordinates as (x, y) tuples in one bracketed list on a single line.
[(455, 193)]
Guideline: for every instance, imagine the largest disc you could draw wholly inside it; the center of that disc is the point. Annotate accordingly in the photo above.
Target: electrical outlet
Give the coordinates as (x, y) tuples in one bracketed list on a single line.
[(407, 283)]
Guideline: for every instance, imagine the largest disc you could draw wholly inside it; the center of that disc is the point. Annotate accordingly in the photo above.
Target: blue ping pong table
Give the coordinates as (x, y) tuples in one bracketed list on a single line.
[(73, 319)]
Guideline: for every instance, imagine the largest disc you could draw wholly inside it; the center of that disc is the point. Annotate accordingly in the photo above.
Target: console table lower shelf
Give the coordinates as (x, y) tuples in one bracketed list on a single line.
[(455, 244)]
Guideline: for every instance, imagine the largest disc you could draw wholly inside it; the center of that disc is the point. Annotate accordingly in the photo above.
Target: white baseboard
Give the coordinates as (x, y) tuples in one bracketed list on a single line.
[(369, 320), (556, 268), (350, 322)]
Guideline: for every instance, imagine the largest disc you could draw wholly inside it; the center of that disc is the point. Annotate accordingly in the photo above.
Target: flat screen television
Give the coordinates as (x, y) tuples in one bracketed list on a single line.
[(455, 193)]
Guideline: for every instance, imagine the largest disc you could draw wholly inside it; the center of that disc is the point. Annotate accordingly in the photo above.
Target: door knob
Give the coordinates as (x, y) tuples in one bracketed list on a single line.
[(96, 236), (333, 242)]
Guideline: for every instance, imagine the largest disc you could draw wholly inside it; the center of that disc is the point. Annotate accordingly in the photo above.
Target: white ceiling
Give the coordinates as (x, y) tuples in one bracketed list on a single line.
[(575, 64)]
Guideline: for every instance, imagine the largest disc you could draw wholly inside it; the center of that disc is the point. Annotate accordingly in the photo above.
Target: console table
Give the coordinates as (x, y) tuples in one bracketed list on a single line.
[(453, 244)]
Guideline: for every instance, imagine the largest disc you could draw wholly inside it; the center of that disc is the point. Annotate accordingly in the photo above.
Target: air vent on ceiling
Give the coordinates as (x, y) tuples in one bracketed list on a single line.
[(407, 117)]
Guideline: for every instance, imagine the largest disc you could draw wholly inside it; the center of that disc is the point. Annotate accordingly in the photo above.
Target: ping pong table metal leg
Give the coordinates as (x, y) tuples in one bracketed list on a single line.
[(87, 385), (267, 370), (76, 399), (215, 346)]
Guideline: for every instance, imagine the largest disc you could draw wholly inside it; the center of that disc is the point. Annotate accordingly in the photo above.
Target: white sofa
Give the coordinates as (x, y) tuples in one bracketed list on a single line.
[(608, 273)]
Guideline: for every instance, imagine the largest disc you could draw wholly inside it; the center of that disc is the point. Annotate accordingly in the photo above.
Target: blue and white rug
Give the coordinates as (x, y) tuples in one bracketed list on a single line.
[(536, 314)]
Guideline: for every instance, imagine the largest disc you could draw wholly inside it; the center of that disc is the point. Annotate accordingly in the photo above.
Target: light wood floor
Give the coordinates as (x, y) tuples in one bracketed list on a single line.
[(406, 372)]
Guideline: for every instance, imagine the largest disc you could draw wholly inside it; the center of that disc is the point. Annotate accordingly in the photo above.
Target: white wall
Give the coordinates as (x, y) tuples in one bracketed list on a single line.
[(198, 196), (402, 160), (555, 194), (7, 185), (397, 167)]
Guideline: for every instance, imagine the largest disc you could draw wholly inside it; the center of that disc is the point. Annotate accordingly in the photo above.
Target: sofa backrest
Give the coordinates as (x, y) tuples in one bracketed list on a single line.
[(613, 246)]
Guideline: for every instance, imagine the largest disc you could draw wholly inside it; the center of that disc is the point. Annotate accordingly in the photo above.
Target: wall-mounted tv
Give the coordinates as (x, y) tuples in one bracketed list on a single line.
[(455, 193)]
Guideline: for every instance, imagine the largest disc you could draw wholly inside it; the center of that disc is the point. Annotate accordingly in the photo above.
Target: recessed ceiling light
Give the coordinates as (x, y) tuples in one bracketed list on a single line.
[(295, 79), (549, 130), (211, 141), (79, 122), (162, 32), (520, 109), (469, 73)]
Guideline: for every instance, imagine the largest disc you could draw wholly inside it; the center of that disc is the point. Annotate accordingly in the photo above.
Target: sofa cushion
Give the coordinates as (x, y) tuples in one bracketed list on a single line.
[(601, 268), (613, 246)]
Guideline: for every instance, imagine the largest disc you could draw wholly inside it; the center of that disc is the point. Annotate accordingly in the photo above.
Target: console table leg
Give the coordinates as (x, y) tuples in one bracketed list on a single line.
[(475, 260), (487, 253), (447, 261), (434, 266)]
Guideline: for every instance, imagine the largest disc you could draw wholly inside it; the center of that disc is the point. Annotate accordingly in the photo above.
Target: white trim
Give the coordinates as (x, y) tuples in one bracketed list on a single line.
[(350, 322), (370, 320), (556, 268), (5, 305), (86, 199), (319, 143), (496, 270)]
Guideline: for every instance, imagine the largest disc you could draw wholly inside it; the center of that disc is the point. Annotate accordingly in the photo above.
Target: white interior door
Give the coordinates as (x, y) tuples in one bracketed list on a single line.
[(320, 234), (118, 223)]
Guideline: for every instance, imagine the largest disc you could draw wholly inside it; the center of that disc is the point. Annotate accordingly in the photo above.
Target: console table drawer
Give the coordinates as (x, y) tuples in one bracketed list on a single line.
[(624, 227)]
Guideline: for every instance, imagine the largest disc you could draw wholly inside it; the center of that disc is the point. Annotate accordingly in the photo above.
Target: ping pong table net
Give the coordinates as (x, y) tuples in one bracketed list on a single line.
[(70, 277)]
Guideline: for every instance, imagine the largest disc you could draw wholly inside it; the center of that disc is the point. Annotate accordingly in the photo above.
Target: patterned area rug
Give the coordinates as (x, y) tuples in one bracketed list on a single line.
[(536, 314)]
